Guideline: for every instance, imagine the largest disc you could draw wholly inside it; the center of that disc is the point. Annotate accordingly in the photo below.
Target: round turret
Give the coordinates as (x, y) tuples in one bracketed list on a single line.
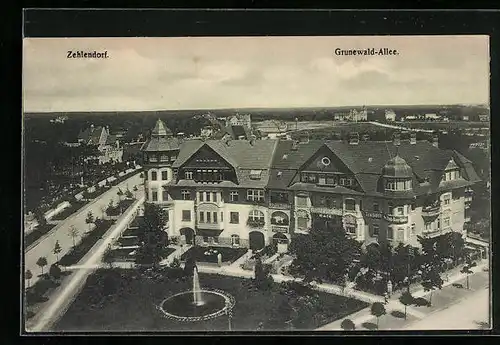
[(397, 167)]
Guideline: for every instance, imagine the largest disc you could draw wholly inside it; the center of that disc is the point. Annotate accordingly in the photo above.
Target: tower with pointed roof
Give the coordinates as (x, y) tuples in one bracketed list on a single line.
[(159, 153)]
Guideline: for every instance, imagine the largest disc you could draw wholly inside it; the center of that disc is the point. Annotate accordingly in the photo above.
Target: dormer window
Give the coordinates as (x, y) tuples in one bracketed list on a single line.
[(255, 174), (394, 184), (451, 175)]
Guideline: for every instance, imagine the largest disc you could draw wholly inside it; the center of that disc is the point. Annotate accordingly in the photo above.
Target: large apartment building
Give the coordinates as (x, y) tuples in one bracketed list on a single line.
[(253, 192)]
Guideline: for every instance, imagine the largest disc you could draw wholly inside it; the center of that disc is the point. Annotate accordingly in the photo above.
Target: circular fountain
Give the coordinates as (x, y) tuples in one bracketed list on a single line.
[(198, 304)]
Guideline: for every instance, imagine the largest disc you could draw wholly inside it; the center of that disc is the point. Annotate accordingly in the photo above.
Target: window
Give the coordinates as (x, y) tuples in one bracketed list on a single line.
[(153, 158), (255, 195), (331, 180), (302, 201), (234, 217), (214, 196), (390, 233), (154, 195), (312, 178), (446, 199), (256, 216), (361, 205), (154, 175), (188, 175), (322, 179), (438, 224), (186, 195), (375, 207), (375, 230), (200, 196), (209, 217), (202, 217), (400, 211), (221, 217), (164, 158), (401, 234), (233, 195), (215, 217), (165, 195), (235, 240), (350, 229), (446, 222), (390, 185), (350, 204), (186, 215), (205, 239), (207, 196), (164, 175), (255, 174), (428, 227), (390, 208), (302, 220), (413, 228)]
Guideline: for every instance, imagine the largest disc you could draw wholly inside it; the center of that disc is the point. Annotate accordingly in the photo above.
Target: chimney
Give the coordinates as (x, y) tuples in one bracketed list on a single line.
[(397, 139), (413, 138), (354, 138), (435, 140)]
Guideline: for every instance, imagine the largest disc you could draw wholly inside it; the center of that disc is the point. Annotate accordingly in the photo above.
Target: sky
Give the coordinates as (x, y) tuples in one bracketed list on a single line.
[(252, 72)]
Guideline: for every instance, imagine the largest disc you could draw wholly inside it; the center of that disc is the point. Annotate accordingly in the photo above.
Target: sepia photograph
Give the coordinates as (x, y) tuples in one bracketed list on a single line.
[(272, 183)]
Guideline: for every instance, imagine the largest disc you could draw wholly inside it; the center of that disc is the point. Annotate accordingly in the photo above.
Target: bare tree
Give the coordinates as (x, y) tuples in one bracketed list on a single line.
[(73, 233)]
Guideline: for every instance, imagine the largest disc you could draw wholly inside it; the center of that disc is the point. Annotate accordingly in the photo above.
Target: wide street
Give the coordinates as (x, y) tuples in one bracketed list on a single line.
[(469, 313), (60, 233)]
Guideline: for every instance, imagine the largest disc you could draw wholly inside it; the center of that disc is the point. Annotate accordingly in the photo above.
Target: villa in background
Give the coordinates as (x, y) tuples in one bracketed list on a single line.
[(107, 145), (352, 115), (250, 193)]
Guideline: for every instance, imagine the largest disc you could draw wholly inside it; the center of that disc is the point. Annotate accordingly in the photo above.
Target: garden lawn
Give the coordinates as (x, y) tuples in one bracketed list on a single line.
[(88, 241), (125, 300), (38, 232), (228, 254)]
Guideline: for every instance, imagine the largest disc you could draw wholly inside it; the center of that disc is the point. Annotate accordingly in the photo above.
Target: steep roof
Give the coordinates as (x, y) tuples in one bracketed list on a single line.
[(161, 139), (160, 129), (241, 154)]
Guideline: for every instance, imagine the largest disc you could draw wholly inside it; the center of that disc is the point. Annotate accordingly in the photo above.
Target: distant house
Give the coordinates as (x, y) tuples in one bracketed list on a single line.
[(484, 117), (207, 131), (234, 132), (244, 120), (390, 115), (409, 118), (432, 116), (107, 145), (59, 119), (272, 129)]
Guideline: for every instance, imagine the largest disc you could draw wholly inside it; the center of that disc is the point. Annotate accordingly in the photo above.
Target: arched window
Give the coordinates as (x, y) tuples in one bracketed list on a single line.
[(256, 215), (302, 220), (235, 240)]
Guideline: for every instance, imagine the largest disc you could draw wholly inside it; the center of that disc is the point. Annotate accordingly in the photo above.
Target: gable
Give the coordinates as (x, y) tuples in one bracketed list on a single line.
[(324, 160), (207, 157)]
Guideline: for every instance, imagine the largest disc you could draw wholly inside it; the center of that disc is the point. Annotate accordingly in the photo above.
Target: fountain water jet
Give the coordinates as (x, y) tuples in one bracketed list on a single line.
[(197, 298), (197, 304)]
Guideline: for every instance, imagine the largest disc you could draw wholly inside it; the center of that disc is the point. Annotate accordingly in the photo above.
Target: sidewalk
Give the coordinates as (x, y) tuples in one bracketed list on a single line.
[(441, 299)]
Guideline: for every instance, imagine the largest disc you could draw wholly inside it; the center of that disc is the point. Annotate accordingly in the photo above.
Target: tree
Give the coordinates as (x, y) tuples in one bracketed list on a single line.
[(377, 310), (325, 254), (28, 276), (152, 236), (431, 280), (90, 218), (40, 217), (55, 271), (128, 194), (41, 262), (406, 299), (120, 194), (73, 233), (57, 250), (107, 257), (348, 325)]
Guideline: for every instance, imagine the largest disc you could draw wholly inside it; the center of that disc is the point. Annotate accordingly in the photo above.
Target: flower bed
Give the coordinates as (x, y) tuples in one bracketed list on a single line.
[(209, 254), (123, 299), (87, 242), (75, 206)]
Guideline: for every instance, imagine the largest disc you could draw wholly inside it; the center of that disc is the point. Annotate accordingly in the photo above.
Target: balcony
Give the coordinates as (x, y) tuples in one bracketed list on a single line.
[(431, 211), (210, 226), (279, 205), (255, 223), (395, 219), (327, 211), (279, 228)]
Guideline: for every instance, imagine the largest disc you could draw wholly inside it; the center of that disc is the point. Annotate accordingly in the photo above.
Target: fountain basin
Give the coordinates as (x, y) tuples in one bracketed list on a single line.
[(182, 306)]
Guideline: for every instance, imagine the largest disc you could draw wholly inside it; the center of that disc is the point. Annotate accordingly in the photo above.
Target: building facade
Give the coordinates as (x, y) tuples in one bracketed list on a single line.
[(253, 193)]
